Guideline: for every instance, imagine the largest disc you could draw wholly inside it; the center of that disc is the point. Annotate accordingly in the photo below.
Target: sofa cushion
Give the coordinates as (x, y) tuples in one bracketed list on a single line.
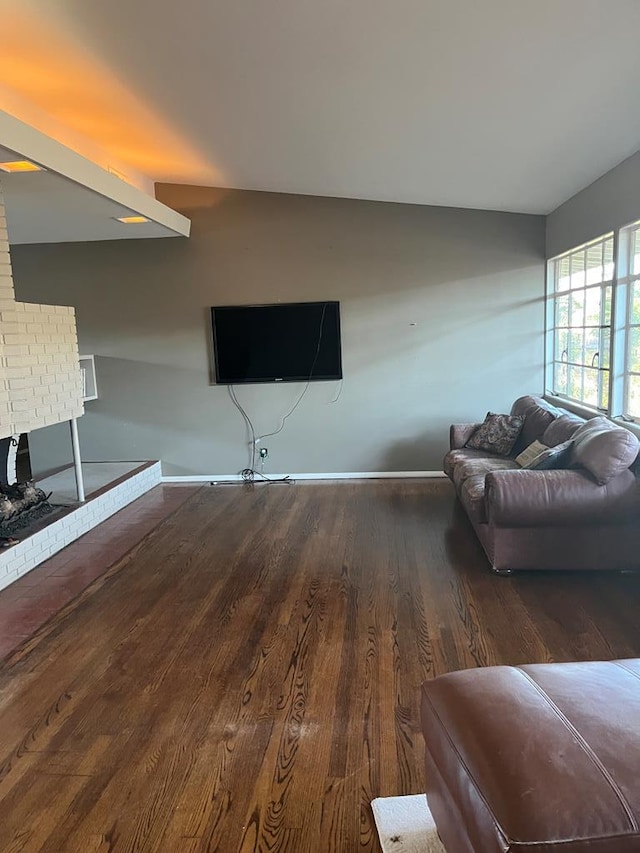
[(555, 499), (474, 467), (462, 454), (537, 414), (561, 429), (497, 434), (604, 449), (472, 498)]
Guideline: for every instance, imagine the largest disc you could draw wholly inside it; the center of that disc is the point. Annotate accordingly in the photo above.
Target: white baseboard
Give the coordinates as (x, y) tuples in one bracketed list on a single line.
[(348, 475)]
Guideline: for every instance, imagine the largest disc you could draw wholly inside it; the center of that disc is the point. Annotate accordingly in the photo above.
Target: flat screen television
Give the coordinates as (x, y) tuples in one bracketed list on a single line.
[(292, 342)]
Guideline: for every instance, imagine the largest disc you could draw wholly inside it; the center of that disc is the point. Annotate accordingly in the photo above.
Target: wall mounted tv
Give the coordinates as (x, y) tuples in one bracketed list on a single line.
[(291, 342)]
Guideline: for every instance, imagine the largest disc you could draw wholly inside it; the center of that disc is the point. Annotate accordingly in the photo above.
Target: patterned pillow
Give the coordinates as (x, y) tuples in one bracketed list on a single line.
[(497, 434), (551, 457)]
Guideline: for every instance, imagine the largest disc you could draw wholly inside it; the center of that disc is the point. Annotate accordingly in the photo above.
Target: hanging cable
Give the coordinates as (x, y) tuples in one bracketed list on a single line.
[(249, 474), (248, 422), (306, 387), (337, 397)]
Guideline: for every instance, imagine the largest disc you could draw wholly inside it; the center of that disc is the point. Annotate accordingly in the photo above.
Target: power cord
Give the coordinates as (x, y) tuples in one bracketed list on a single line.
[(337, 397), (249, 423), (249, 474)]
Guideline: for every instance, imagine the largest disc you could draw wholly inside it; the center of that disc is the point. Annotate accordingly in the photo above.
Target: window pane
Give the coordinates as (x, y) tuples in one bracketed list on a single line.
[(633, 396), (562, 311), (592, 306), (574, 383), (635, 302), (633, 350), (578, 269), (591, 347), (562, 272), (604, 389), (595, 268), (562, 345), (576, 343), (608, 259), (590, 394), (605, 348), (576, 309), (635, 252), (560, 378), (607, 306)]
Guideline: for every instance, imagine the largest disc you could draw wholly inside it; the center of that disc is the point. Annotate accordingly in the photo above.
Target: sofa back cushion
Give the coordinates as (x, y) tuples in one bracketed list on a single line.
[(537, 414), (561, 429), (604, 449)]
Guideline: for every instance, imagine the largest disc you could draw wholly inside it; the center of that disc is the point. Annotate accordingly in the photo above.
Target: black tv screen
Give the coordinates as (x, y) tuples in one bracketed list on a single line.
[(292, 342)]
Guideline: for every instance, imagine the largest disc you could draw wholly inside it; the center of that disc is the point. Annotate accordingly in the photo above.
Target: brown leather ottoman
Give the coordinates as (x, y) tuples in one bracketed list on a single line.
[(535, 758)]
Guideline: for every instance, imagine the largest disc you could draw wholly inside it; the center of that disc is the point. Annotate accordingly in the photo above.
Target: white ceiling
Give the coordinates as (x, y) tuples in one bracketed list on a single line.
[(45, 207), (499, 104)]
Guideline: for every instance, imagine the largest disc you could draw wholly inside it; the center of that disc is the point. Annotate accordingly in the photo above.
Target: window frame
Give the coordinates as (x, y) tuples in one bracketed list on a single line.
[(629, 237), (620, 327), (553, 294)]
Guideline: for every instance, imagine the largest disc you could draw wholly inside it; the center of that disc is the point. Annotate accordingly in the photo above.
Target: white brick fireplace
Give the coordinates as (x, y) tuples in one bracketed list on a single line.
[(41, 384), (40, 379)]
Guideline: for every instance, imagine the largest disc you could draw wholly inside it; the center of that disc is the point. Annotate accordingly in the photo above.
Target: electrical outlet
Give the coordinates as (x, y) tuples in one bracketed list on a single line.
[(264, 452)]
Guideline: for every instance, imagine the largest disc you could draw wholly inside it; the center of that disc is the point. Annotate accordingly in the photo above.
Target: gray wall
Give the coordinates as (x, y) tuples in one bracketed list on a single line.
[(605, 205), (442, 319)]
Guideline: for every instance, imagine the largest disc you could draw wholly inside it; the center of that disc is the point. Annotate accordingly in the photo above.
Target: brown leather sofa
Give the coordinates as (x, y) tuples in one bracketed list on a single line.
[(552, 519), (535, 759)]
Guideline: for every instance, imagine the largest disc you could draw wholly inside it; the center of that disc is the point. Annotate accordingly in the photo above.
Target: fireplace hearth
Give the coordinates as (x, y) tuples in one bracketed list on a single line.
[(22, 503)]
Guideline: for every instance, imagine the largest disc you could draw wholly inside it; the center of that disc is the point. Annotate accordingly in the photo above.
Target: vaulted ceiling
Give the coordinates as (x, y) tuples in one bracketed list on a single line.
[(500, 104)]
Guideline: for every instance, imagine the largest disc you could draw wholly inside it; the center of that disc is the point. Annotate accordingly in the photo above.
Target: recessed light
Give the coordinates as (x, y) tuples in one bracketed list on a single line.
[(20, 166), (132, 220)]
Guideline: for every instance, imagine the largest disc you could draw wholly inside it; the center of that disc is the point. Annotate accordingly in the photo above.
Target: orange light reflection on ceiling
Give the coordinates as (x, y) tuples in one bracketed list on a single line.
[(54, 73), (132, 220), (20, 166)]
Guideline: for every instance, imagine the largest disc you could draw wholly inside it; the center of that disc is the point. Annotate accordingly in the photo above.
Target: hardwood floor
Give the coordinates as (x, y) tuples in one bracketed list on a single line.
[(38, 595), (248, 680)]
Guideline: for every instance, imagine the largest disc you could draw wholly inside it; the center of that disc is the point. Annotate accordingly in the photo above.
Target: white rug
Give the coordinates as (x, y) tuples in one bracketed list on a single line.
[(405, 825)]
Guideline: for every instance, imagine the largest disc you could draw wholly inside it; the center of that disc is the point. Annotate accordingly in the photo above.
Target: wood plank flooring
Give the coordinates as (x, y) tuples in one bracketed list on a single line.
[(248, 679)]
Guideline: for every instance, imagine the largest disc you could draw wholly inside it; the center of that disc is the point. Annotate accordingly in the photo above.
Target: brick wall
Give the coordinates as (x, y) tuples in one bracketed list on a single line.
[(40, 379)]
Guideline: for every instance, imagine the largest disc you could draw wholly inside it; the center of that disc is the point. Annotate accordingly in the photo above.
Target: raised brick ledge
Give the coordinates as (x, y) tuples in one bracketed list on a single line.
[(21, 558)]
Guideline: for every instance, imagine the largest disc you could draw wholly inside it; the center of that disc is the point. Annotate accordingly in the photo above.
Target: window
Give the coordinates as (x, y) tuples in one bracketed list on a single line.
[(579, 323), (593, 324), (630, 282)]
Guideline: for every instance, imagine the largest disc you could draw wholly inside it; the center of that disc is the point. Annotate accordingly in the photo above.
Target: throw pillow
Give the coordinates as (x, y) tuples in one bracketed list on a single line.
[(530, 453), (497, 434), (552, 457), (604, 449)]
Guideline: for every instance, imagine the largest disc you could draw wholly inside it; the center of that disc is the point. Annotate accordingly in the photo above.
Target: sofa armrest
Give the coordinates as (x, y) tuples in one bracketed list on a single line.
[(459, 435), (558, 498)]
